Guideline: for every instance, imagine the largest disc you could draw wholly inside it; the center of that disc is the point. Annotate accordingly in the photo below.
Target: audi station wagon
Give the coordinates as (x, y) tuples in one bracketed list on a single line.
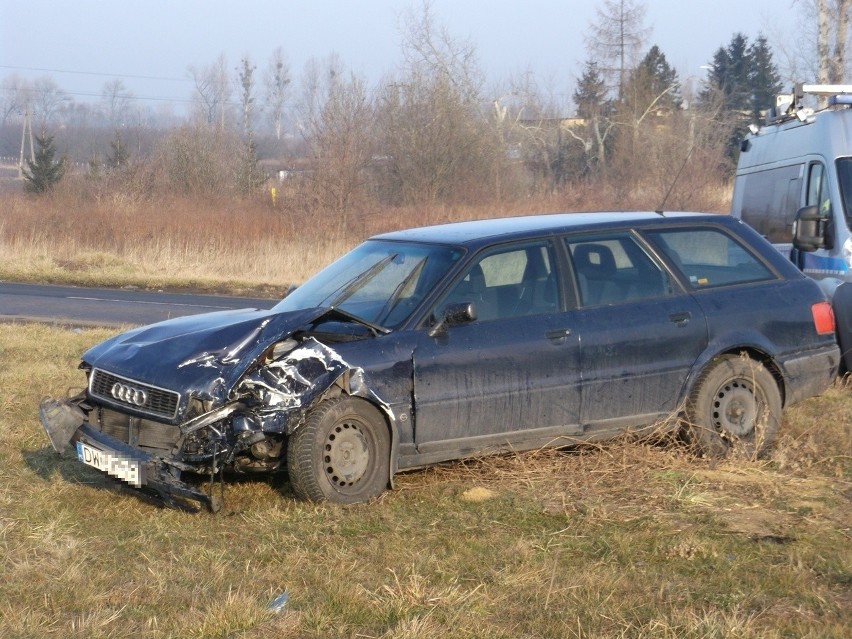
[(445, 342)]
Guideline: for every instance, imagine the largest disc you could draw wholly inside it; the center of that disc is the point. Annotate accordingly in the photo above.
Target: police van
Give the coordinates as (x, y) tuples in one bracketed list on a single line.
[(794, 186)]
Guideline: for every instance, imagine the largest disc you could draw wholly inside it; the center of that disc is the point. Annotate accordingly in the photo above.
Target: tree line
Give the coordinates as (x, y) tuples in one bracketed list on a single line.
[(431, 131)]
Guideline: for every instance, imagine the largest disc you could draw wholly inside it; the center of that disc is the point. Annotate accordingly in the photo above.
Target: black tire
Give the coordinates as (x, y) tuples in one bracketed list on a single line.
[(734, 409), (341, 453)]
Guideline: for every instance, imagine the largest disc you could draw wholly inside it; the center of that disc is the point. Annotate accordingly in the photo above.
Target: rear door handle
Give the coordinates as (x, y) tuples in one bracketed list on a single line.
[(680, 319), (558, 336)]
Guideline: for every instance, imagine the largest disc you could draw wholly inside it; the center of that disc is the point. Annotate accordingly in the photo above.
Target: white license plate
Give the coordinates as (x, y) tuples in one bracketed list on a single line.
[(112, 463)]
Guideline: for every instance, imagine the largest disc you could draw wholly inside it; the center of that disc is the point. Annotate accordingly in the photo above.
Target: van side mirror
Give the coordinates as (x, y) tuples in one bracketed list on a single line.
[(810, 229), (458, 313)]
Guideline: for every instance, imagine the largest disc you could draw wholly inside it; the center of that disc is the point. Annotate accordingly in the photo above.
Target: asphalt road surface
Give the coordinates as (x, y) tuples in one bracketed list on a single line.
[(108, 307)]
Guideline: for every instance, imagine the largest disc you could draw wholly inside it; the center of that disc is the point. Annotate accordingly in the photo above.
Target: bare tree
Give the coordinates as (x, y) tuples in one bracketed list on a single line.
[(212, 91), (438, 144), (45, 98), (824, 28), (14, 95), (116, 99), (277, 81), (615, 39), (245, 79), (337, 120)]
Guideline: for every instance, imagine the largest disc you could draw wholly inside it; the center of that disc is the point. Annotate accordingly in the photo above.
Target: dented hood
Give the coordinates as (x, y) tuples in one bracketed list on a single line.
[(206, 354)]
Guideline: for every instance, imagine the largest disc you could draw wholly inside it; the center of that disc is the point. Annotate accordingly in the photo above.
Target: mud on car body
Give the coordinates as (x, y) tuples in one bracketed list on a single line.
[(443, 342)]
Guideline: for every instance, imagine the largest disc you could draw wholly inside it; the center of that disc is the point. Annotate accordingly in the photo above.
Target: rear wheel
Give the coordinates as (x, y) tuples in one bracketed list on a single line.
[(734, 409), (341, 453)]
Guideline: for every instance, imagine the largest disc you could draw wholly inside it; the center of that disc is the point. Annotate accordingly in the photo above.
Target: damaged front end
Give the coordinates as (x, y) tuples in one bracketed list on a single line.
[(230, 410)]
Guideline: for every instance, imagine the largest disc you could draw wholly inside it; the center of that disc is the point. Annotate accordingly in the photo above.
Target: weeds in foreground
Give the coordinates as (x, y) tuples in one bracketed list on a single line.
[(625, 539)]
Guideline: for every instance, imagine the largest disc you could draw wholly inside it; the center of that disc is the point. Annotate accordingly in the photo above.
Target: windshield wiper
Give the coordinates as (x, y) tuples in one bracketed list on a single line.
[(341, 314), (393, 300), (359, 280)]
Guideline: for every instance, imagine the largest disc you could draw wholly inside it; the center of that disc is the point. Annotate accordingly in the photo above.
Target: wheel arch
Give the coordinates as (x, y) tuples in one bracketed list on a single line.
[(752, 351), (352, 384)]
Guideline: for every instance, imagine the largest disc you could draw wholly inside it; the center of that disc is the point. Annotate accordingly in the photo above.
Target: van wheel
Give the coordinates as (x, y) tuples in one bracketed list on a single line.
[(341, 453), (734, 409)]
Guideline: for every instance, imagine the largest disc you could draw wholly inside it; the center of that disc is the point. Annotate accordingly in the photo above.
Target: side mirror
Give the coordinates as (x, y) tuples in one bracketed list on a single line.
[(810, 230), (457, 313)]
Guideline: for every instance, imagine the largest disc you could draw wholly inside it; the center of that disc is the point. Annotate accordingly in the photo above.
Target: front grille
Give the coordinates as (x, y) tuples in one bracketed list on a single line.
[(154, 436), (158, 402)]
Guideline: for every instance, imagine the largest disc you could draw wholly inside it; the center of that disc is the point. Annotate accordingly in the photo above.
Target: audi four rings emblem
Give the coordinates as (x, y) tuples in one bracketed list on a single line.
[(129, 394)]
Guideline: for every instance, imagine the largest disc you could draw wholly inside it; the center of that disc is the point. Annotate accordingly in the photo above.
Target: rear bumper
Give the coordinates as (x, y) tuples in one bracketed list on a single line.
[(809, 374), (68, 431)]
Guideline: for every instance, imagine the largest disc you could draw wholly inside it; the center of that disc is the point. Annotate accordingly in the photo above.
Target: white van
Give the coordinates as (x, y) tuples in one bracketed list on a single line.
[(799, 167)]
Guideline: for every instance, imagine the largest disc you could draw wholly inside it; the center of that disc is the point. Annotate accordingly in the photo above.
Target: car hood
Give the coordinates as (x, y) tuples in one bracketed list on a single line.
[(203, 354)]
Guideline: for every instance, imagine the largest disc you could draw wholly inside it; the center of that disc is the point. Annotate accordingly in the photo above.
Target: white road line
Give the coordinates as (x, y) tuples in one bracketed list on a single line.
[(104, 299)]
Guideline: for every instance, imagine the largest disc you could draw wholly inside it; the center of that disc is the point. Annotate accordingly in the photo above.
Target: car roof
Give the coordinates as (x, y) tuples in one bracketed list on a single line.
[(506, 228)]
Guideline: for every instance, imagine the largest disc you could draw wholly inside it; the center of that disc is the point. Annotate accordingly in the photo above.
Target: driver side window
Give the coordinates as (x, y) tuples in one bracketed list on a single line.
[(509, 283)]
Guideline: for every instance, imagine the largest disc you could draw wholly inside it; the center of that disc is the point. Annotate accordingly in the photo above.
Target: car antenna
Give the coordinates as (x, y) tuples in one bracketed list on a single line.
[(661, 208)]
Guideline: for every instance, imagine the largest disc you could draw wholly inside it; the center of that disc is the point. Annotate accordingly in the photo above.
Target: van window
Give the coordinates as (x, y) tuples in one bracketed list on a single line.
[(844, 178), (770, 201), (818, 193)]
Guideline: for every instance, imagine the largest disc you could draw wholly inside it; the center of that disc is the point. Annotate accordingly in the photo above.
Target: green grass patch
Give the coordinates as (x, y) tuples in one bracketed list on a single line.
[(622, 540)]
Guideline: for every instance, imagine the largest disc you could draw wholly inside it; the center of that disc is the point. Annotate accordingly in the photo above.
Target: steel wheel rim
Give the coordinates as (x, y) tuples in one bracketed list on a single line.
[(346, 454), (735, 408)]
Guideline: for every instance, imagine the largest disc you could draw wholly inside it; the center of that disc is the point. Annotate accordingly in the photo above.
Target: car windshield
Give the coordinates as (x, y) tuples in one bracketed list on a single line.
[(380, 282), (844, 177)]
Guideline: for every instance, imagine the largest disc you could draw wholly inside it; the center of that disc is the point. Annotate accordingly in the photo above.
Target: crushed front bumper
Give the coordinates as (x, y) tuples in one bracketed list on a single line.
[(67, 428)]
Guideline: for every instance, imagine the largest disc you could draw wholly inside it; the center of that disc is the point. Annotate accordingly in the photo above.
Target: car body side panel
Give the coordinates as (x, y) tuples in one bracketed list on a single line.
[(774, 319), (494, 380), (636, 357)]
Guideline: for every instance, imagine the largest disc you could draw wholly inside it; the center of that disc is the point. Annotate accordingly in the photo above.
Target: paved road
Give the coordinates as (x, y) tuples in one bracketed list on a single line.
[(108, 307)]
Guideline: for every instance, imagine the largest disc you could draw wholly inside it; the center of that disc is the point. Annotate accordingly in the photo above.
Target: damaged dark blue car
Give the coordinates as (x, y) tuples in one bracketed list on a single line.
[(450, 341)]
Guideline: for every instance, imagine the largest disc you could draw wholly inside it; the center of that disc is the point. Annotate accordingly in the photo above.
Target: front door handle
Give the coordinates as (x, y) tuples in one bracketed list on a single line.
[(680, 319)]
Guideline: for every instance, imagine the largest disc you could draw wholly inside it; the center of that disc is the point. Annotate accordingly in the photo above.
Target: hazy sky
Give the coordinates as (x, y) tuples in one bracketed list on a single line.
[(85, 43)]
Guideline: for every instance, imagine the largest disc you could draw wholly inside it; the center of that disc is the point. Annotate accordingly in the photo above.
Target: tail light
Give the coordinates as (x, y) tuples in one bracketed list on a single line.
[(823, 318)]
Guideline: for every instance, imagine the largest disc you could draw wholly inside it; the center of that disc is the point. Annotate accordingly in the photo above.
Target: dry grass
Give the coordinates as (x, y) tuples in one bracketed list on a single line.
[(628, 539), (229, 245)]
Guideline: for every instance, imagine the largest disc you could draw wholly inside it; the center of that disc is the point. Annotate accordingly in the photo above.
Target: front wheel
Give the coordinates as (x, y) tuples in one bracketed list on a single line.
[(734, 409), (341, 453)]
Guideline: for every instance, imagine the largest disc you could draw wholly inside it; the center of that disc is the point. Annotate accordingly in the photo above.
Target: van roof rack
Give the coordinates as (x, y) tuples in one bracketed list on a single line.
[(790, 105)]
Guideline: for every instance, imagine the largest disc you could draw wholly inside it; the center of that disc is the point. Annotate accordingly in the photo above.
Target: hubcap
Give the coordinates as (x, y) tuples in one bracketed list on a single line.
[(346, 455), (735, 408)]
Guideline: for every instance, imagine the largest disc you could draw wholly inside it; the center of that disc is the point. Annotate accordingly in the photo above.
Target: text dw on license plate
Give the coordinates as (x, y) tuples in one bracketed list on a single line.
[(114, 464)]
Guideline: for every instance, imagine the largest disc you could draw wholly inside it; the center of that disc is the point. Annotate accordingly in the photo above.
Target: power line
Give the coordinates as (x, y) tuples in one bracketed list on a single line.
[(96, 73)]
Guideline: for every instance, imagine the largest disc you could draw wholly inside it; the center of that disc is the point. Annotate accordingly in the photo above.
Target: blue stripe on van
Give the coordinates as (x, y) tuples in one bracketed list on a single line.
[(823, 265)]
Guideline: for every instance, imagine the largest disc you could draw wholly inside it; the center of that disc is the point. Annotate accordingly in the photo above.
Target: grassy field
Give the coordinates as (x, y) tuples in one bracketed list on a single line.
[(623, 540), (230, 246)]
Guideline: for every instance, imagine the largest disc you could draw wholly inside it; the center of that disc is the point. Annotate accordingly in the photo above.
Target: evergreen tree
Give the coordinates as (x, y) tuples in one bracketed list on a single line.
[(45, 171), (728, 83), (653, 84), (590, 94), (118, 156), (764, 79), (742, 83), (595, 108), (250, 176)]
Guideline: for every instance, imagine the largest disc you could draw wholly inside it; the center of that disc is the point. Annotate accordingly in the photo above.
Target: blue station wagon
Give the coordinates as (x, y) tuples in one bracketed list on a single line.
[(444, 342)]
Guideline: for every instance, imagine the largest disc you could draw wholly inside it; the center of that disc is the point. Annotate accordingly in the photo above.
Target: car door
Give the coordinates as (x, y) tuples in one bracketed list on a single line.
[(512, 375), (640, 332)]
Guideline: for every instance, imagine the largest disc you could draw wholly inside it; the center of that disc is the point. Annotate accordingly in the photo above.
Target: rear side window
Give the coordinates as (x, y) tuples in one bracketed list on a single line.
[(709, 257), (770, 201), (612, 269)]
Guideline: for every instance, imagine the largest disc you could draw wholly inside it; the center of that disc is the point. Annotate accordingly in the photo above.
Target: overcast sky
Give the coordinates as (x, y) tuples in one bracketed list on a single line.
[(84, 43)]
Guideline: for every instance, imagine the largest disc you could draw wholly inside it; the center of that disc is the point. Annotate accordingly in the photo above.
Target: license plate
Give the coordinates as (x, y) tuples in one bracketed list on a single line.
[(112, 463)]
